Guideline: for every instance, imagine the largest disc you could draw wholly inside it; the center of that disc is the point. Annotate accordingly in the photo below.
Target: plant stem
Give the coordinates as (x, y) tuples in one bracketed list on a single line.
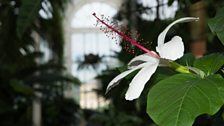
[(179, 68)]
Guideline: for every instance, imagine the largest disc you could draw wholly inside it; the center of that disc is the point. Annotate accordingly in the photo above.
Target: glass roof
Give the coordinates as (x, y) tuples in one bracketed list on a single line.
[(83, 17)]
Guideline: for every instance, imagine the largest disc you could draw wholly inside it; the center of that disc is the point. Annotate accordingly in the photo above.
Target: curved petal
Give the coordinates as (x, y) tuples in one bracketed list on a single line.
[(116, 80), (137, 84), (162, 35), (172, 50), (141, 59)]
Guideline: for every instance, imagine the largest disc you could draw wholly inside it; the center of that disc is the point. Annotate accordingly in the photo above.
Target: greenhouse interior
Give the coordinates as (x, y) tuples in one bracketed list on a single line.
[(111, 63)]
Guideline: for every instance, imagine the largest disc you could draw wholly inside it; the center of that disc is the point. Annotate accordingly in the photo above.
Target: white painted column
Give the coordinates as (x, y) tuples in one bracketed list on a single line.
[(36, 106)]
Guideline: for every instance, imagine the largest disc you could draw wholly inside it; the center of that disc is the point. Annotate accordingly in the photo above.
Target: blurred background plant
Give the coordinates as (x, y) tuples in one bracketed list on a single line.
[(31, 58)]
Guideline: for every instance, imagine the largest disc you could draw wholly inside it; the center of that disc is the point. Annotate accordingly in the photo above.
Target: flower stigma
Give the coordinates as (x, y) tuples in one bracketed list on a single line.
[(126, 37)]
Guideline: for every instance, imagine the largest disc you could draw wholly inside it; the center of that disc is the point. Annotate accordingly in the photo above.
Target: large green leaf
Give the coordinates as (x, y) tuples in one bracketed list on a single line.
[(27, 13), (216, 24), (178, 100), (210, 63)]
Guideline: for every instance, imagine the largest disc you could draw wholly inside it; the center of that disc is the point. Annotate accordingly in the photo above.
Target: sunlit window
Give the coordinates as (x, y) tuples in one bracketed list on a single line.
[(87, 40), (165, 11), (83, 18)]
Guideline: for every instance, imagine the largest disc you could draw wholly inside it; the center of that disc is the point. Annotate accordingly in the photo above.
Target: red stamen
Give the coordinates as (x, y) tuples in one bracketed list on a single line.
[(127, 38)]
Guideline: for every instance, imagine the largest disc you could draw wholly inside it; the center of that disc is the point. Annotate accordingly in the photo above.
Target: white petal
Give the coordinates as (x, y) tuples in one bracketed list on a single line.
[(115, 81), (172, 50), (162, 35), (137, 84), (143, 58)]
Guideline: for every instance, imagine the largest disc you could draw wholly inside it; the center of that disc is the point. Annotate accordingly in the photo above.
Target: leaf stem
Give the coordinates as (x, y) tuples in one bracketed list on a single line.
[(179, 68)]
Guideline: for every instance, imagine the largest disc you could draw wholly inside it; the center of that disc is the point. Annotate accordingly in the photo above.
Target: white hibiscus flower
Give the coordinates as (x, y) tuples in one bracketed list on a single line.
[(148, 62)]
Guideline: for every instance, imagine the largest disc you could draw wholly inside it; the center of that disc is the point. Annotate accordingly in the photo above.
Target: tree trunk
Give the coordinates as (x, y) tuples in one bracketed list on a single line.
[(198, 45)]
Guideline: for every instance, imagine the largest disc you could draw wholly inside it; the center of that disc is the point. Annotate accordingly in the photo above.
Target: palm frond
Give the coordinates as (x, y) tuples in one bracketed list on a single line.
[(27, 13)]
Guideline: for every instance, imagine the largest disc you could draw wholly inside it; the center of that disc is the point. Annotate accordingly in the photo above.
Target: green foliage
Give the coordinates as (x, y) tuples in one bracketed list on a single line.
[(178, 100), (19, 69), (21, 88), (170, 2), (187, 60), (115, 118), (27, 13), (216, 25), (210, 64), (61, 112)]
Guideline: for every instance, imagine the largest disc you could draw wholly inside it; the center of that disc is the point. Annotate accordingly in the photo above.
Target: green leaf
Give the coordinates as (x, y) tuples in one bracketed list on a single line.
[(216, 25), (187, 60), (19, 87), (162, 73), (178, 100), (170, 2), (47, 78), (210, 64), (27, 13), (5, 107)]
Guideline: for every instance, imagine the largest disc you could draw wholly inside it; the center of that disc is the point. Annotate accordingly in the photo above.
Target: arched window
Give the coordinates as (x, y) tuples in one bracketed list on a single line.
[(87, 40)]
